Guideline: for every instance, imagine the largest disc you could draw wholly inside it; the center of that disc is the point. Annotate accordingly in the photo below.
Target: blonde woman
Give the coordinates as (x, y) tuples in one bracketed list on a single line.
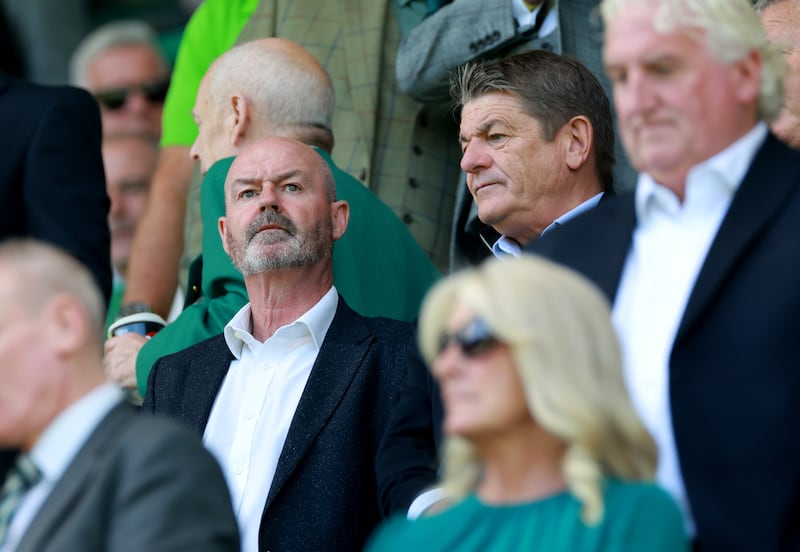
[(544, 449)]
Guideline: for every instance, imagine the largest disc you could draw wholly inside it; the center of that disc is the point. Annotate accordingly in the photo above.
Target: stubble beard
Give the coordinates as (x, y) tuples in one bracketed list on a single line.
[(280, 249)]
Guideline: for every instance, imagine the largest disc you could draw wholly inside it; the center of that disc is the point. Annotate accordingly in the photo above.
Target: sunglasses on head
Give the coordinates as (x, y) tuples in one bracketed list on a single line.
[(474, 339), (115, 98)]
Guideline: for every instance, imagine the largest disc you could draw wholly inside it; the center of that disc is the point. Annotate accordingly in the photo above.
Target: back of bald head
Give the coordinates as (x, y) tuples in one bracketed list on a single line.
[(289, 89), (44, 271)]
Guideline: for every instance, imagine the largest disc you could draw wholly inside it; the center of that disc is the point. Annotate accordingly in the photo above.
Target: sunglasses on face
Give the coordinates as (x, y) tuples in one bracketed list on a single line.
[(115, 98), (474, 339)]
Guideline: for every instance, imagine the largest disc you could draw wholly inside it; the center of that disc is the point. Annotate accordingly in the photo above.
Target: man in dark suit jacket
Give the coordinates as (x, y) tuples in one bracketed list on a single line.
[(467, 30), (100, 475), (537, 156), (52, 185), (299, 449), (702, 265)]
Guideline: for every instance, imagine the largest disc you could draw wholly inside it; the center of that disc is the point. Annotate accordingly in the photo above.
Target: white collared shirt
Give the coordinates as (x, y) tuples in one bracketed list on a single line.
[(669, 246), (56, 448), (526, 18), (507, 246), (255, 405)]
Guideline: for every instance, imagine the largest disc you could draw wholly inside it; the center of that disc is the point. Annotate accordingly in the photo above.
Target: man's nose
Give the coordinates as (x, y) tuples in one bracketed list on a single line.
[(475, 157)]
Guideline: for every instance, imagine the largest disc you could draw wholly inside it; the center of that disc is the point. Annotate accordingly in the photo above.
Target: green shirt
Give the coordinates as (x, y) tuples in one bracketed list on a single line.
[(378, 268), (638, 517)]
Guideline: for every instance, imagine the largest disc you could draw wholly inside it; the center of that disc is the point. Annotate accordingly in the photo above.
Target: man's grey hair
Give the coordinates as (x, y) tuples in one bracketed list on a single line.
[(112, 35), (761, 5), (730, 30)]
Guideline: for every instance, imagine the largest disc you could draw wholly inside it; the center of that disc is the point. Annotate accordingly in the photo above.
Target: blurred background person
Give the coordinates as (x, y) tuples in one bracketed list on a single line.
[(781, 20), (544, 449), (122, 65), (130, 161)]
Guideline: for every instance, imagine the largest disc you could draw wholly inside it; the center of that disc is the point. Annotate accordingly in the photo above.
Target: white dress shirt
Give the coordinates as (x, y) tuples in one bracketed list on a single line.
[(55, 450), (255, 405), (669, 246)]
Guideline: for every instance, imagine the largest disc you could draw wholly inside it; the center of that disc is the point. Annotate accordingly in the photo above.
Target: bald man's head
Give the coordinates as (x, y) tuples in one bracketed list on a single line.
[(51, 322), (280, 208), (267, 87)]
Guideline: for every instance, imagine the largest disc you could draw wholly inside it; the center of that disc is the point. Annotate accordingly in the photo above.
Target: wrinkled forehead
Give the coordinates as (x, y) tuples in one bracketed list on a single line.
[(271, 168)]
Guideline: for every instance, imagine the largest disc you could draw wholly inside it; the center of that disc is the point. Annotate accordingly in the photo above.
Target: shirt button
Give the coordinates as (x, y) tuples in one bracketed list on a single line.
[(238, 470), (250, 415)]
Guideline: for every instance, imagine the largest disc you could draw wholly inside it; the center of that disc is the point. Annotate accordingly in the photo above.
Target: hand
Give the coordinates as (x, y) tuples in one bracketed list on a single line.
[(119, 361)]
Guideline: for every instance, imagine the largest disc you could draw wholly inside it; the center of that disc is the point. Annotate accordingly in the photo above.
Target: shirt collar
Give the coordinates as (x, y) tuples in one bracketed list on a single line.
[(508, 246), (69, 431), (315, 321), (728, 167)]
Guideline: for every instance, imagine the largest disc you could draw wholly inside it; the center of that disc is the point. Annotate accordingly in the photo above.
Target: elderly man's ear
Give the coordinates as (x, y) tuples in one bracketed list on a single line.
[(238, 119), (578, 136), (66, 324)]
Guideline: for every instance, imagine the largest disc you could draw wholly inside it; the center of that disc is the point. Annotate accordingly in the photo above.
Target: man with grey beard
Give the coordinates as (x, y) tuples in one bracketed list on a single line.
[(293, 397)]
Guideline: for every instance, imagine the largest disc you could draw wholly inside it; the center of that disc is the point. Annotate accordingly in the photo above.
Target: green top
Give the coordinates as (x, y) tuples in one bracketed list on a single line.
[(378, 268), (117, 291), (638, 516), (211, 31)]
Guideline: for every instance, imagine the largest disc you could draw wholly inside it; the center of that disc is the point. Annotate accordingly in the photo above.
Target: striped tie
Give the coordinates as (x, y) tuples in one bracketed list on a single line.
[(21, 478)]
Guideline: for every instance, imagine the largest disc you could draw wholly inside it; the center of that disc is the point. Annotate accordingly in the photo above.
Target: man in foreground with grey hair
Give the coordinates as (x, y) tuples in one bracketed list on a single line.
[(92, 474), (702, 263)]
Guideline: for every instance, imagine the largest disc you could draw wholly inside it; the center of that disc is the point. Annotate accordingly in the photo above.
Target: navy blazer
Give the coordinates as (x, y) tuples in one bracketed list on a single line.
[(735, 364), (52, 183), (324, 494)]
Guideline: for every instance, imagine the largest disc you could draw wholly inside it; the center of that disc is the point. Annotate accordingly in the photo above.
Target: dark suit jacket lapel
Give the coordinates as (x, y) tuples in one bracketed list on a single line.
[(340, 357), (67, 491), (203, 381), (749, 214)]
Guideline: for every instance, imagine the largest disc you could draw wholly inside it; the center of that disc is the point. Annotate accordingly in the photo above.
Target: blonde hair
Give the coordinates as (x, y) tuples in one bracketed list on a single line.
[(566, 352), (730, 30)]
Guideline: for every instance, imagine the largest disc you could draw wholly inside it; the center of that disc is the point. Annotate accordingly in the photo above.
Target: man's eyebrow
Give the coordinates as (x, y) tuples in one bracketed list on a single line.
[(239, 182), (280, 177), (482, 129)]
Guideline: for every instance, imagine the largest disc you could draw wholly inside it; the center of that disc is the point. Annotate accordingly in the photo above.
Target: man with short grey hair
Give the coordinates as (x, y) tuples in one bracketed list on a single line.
[(122, 65)]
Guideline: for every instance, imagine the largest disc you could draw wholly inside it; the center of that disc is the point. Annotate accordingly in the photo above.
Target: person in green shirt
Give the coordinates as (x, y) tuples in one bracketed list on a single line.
[(275, 87), (544, 450)]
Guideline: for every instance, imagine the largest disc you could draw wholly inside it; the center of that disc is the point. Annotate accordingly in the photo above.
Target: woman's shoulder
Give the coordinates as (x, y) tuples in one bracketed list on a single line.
[(431, 532), (642, 512), (635, 494)]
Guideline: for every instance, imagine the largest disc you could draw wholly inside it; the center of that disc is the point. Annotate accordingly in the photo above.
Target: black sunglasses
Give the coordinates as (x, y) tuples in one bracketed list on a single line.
[(474, 339), (115, 98)]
